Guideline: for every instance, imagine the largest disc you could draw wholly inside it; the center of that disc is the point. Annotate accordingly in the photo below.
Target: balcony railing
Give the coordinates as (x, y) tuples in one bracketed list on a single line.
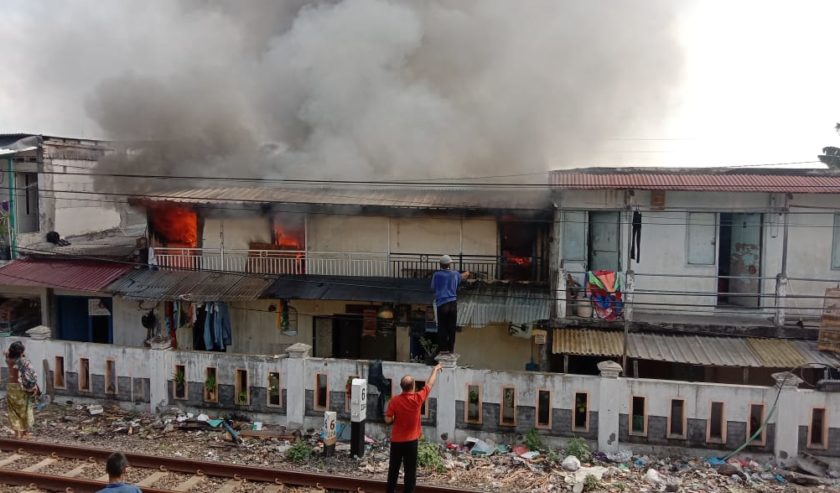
[(402, 265)]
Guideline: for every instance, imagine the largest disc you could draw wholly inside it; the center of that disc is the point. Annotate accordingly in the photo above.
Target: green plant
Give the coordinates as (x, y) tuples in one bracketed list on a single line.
[(473, 397), (179, 377), (428, 456), (429, 347), (553, 456), (243, 397), (579, 448), (210, 383), (300, 451), (533, 440), (590, 483)]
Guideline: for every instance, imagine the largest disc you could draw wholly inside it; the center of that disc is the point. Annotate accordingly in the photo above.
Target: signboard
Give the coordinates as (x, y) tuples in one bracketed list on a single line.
[(329, 428), (97, 308), (358, 400)]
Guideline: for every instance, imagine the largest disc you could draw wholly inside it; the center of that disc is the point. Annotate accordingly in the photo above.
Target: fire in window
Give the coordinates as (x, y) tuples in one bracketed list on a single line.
[(174, 226), (522, 246)]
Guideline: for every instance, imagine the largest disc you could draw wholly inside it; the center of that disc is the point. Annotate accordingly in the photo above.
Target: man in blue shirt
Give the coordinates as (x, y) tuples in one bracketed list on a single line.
[(116, 466), (445, 285)]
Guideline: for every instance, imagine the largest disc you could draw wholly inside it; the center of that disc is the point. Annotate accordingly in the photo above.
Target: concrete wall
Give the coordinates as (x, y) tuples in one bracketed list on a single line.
[(145, 381), (127, 326), (492, 347), (664, 244), (237, 232)]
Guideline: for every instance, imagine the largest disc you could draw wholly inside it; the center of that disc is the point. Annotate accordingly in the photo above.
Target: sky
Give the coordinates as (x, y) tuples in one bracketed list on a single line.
[(746, 82)]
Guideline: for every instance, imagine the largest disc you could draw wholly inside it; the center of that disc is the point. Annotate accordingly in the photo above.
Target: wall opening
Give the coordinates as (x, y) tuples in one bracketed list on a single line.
[(543, 409), (241, 389), (179, 382), (604, 239), (84, 375), (717, 428), (418, 386), (322, 394), (756, 420), (211, 385), (473, 410), (638, 416), (59, 381), (507, 416), (274, 395), (676, 420), (817, 431), (739, 260), (110, 377), (580, 414)]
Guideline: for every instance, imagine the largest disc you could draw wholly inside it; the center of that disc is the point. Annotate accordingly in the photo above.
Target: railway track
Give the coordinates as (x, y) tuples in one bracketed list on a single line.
[(66, 468)]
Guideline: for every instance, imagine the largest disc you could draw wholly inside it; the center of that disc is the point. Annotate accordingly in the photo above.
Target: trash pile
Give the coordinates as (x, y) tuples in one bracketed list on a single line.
[(521, 464)]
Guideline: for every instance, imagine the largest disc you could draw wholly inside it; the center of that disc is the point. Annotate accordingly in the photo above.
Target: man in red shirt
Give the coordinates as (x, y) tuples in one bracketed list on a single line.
[(404, 413)]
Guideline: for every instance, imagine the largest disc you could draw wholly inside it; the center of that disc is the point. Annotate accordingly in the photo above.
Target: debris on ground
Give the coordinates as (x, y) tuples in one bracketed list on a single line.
[(478, 464)]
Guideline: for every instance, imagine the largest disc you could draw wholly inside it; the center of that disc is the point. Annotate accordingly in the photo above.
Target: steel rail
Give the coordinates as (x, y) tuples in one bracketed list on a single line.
[(216, 469), (59, 483)]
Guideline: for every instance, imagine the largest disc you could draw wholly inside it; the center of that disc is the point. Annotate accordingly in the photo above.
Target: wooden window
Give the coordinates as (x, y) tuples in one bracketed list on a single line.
[(754, 424), (59, 376), (700, 238), (348, 390), (580, 414), (84, 375), (322, 394), (717, 424), (275, 396), (110, 377), (677, 419), (543, 409), (472, 411), (638, 416), (211, 385), (418, 386), (818, 429), (507, 414), (179, 382), (241, 388), (574, 235)]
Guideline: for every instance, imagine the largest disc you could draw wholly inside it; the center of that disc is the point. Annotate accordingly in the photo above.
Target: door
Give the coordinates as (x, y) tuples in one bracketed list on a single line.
[(743, 256), (347, 334), (323, 337), (604, 241), (76, 323)]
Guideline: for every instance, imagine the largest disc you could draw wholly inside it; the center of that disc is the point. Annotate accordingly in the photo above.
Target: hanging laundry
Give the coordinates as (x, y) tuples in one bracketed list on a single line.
[(636, 237), (217, 329), (604, 289)]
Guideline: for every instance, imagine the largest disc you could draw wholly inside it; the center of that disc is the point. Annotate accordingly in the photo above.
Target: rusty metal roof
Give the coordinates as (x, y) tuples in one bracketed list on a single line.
[(76, 275), (700, 179), (197, 286), (694, 350), (486, 304), (410, 197)]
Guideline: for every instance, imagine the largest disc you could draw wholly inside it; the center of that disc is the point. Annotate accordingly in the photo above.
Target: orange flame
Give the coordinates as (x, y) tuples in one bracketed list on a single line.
[(177, 226)]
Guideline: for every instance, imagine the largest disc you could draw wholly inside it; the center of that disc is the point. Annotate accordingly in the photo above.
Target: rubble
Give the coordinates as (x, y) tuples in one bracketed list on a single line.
[(476, 464)]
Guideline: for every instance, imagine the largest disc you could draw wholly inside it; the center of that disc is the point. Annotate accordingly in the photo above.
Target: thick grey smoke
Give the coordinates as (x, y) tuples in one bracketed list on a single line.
[(375, 88)]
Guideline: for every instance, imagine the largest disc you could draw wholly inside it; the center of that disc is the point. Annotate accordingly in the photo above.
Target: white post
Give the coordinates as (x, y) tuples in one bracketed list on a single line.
[(610, 396), (296, 384), (447, 393), (560, 294), (781, 300), (161, 371), (786, 444)]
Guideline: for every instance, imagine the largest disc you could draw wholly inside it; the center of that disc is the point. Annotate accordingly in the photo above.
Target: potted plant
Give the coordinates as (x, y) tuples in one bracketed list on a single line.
[(472, 405), (210, 388), (274, 390), (180, 384), (242, 398)]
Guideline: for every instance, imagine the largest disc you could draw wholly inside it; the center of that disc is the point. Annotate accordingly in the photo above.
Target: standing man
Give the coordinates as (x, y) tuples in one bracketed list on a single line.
[(445, 285), (404, 413)]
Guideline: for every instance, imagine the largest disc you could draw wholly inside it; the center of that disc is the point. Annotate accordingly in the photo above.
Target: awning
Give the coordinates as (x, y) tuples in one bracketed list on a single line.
[(76, 275), (143, 284), (501, 303), (381, 289), (693, 350)]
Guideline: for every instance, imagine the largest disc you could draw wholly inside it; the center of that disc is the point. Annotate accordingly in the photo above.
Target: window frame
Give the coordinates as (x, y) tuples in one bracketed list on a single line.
[(582, 257), (630, 431), (175, 395), (502, 422), (723, 423), (56, 373), (537, 423), (424, 408), (111, 376), (762, 439), (237, 386), (205, 392), (316, 405), (268, 390), (823, 434), (480, 404), (683, 421), (689, 242), (584, 428), (84, 375)]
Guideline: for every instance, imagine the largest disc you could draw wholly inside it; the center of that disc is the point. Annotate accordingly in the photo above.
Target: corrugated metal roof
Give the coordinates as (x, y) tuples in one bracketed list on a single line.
[(777, 353), (695, 350), (190, 285), (76, 275), (392, 290), (447, 198), (710, 179), (486, 304)]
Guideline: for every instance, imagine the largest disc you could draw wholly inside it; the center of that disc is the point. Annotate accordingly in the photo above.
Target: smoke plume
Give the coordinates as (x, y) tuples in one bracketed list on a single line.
[(370, 88)]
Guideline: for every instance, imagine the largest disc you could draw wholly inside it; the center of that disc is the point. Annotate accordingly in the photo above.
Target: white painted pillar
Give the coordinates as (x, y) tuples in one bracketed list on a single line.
[(447, 393), (560, 294), (786, 445), (161, 370), (296, 385), (629, 288), (610, 394), (781, 300)]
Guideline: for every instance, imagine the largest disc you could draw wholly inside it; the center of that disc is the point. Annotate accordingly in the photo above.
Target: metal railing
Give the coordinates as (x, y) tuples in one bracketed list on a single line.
[(361, 264)]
